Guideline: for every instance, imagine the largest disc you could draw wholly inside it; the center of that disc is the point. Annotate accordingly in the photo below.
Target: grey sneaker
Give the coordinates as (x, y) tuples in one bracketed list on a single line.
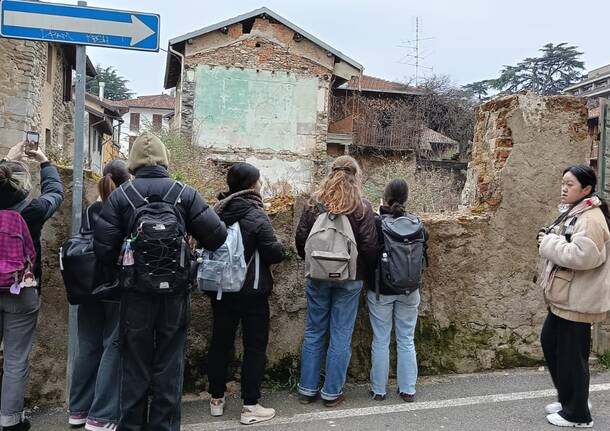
[(217, 406), (254, 414)]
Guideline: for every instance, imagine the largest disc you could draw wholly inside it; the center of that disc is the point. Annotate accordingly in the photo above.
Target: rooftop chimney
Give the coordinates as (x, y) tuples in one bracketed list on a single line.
[(102, 85)]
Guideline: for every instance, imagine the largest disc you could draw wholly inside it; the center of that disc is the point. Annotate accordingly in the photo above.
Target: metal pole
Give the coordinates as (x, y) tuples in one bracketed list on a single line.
[(77, 188), (602, 150)]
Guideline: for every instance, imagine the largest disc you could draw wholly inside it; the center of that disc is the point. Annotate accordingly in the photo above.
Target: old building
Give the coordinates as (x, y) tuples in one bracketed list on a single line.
[(142, 113), (36, 94), (257, 87), (594, 86), (102, 122), (369, 112)]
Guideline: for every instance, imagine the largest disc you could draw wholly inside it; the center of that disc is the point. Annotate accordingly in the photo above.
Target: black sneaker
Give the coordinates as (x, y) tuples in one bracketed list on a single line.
[(376, 397), (24, 425), (307, 399), (335, 402)]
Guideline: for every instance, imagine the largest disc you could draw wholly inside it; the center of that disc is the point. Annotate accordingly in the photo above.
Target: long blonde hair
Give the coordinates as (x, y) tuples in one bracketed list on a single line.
[(341, 190)]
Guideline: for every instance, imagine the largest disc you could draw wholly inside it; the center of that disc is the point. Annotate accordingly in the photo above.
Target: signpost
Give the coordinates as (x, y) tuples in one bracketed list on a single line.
[(81, 26), (49, 22)]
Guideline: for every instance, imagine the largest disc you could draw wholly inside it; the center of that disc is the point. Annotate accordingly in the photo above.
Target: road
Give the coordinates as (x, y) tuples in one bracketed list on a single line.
[(511, 400)]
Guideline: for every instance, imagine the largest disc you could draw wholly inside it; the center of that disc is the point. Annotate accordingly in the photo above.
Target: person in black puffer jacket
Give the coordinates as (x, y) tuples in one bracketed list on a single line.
[(243, 204), (153, 326)]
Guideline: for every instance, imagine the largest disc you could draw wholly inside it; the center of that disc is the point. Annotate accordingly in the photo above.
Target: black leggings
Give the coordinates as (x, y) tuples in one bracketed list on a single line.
[(566, 345), (253, 313)]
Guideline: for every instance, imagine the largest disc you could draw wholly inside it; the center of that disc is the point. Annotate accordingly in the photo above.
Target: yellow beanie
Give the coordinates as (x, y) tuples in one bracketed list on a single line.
[(147, 150)]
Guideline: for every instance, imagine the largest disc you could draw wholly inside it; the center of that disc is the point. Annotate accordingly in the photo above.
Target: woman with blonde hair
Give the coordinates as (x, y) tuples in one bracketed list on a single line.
[(332, 300)]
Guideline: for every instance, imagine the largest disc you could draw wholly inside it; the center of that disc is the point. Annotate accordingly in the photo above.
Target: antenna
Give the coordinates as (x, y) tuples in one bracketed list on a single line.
[(414, 56)]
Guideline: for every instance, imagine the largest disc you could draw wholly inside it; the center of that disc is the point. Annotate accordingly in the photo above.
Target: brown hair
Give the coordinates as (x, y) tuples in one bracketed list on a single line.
[(341, 190), (115, 174)]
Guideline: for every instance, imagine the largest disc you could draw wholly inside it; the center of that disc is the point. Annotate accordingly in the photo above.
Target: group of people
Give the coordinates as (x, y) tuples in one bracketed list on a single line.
[(128, 371)]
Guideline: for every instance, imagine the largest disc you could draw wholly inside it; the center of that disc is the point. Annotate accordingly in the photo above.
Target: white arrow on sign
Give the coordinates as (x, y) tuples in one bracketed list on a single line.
[(136, 29)]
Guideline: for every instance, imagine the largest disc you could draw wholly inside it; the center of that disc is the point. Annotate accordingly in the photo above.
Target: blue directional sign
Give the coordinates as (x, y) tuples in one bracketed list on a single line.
[(81, 25)]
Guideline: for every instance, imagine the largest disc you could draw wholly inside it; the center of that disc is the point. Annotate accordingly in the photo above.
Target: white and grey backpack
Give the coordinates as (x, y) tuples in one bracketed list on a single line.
[(225, 269)]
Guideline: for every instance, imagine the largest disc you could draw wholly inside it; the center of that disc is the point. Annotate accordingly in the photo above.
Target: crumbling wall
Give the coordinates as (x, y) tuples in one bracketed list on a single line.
[(48, 359), (480, 307)]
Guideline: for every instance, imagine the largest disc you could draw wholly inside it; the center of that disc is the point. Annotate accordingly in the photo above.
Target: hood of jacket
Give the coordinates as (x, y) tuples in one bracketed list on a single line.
[(147, 150), (232, 208)]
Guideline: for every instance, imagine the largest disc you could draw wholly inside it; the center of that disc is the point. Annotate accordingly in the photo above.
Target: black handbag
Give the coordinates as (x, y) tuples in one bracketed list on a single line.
[(85, 278)]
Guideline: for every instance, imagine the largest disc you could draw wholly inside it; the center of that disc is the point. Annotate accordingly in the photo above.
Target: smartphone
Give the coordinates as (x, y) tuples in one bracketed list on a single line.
[(31, 141)]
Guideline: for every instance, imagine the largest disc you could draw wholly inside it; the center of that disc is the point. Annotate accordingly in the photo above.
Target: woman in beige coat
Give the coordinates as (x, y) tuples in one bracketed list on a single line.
[(576, 282)]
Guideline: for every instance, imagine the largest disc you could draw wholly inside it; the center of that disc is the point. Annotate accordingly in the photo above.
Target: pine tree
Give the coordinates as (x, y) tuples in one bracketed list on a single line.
[(116, 85)]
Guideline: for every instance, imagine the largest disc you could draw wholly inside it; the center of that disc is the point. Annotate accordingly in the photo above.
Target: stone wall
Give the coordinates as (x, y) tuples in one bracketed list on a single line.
[(25, 95), (480, 308)]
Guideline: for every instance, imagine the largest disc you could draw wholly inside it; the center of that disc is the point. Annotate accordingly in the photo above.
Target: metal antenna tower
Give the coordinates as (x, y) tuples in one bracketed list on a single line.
[(414, 56)]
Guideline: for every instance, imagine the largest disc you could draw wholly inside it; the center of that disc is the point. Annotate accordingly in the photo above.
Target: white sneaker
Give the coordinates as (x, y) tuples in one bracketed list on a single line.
[(217, 406), (254, 414), (557, 420), (549, 409)]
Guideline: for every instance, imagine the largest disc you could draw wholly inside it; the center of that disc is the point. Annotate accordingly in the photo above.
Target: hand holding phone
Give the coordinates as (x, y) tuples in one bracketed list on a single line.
[(31, 141)]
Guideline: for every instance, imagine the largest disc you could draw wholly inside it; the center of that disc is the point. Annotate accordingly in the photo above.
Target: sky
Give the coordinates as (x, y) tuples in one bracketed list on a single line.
[(469, 40)]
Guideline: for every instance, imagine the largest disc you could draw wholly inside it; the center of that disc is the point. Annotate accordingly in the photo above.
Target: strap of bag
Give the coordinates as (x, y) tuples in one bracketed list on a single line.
[(133, 196), (173, 194), (570, 229)]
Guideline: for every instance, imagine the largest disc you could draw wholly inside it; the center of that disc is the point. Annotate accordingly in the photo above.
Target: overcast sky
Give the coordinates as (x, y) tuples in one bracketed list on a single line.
[(471, 39)]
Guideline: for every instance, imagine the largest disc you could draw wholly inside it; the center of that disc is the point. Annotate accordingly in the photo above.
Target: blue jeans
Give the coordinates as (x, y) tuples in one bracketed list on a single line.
[(331, 308), (402, 309), (18, 317), (94, 390)]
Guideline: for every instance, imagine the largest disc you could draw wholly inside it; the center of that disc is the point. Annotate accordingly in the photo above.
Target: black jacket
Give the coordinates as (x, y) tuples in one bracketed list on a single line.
[(246, 208), (41, 209), (111, 228), (363, 225)]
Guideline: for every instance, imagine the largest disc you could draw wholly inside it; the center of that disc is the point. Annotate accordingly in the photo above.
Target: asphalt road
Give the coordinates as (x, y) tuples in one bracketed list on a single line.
[(512, 400)]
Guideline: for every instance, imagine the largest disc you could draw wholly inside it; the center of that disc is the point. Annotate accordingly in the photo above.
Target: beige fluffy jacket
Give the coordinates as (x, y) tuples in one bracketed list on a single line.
[(578, 288)]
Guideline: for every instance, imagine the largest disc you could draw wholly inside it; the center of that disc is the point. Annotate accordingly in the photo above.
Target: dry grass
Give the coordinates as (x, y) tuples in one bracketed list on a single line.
[(430, 190)]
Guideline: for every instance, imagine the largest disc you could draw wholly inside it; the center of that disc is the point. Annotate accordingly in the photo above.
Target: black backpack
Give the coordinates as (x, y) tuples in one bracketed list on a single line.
[(155, 257), (86, 280), (402, 258)]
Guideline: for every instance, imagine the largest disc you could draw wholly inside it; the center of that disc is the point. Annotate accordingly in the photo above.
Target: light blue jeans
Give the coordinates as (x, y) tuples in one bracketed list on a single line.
[(18, 317), (402, 309), (331, 309)]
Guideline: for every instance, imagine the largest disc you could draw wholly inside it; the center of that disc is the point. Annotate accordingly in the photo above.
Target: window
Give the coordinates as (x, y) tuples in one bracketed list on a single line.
[(67, 82), (49, 63), (157, 121), (134, 122)]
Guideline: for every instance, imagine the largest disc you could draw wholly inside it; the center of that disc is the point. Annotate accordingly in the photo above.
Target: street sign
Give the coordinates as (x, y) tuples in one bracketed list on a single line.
[(80, 25)]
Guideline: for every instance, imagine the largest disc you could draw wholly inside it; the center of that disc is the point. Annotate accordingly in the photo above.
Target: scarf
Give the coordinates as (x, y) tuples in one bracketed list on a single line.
[(567, 212), (249, 195)]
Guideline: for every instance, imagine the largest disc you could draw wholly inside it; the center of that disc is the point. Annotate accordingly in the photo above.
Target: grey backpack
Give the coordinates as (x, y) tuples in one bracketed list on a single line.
[(403, 254), (330, 250), (225, 269)]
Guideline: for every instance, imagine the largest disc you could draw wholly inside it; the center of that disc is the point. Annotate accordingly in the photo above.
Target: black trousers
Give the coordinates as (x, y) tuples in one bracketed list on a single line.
[(153, 331), (253, 312), (566, 347)]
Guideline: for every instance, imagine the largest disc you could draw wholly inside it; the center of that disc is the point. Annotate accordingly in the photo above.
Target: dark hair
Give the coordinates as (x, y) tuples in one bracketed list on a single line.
[(6, 173), (115, 173), (586, 176), (395, 196), (242, 176)]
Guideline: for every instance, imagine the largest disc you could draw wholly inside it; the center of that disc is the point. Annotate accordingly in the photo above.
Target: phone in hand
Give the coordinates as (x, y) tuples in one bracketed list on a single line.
[(31, 141)]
